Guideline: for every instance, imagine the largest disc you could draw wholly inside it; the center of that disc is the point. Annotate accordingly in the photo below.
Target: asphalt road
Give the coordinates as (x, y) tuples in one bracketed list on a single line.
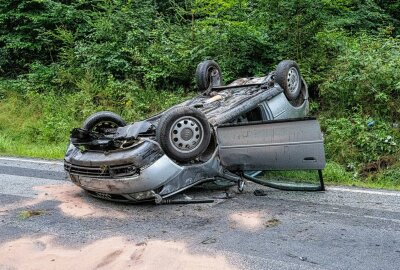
[(48, 223)]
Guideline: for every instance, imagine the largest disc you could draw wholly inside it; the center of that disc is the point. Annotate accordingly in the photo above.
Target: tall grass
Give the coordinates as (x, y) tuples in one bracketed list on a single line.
[(38, 124)]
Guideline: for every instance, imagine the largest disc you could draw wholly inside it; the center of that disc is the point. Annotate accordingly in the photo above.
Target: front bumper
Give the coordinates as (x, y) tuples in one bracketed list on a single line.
[(135, 174), (150, 178), (122, 175)]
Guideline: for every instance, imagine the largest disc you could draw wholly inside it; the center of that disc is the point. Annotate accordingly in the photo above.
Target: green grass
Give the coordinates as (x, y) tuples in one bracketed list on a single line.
[(335, 174), (20, 131), (10, 147), (38, 125)]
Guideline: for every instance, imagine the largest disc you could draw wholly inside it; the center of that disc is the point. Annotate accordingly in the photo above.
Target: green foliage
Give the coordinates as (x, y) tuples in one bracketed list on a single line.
[(391, 175), (48, 118), (365, 78), (334, 173), (358, 139), (392, 7), (25, 28), (159, 43)]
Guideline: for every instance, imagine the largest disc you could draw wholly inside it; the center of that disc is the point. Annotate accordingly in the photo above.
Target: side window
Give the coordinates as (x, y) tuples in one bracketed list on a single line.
[(254, 115), (251, 116)]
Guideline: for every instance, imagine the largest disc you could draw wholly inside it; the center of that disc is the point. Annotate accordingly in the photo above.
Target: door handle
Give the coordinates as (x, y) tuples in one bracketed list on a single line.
[(309, 159)]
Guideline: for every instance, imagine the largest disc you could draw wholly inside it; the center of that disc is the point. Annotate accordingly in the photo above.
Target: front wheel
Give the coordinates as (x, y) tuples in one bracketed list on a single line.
[(183, 133), (103, 122)]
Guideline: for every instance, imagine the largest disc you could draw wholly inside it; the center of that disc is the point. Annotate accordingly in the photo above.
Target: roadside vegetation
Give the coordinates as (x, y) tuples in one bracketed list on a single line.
[(60, 61)]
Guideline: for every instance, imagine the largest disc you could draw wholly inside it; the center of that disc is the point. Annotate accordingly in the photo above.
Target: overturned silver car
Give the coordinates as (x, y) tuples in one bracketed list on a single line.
[(228, 133)]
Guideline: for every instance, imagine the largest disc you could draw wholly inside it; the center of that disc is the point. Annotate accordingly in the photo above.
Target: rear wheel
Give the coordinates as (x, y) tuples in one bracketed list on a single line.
[(208, 74), (289, 78), (183, 133)]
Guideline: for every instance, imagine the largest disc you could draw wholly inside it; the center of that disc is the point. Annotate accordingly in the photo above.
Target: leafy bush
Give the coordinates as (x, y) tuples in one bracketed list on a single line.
[(358, 139), (25, 32), (365, 78)]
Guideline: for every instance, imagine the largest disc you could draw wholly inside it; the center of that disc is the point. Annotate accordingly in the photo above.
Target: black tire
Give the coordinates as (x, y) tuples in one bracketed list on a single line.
[(183, 133), (208, 73), (288, 76), (103, 122)]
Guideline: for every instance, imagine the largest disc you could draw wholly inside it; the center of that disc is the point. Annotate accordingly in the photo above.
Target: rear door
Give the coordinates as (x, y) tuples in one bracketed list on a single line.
[(279, 145)]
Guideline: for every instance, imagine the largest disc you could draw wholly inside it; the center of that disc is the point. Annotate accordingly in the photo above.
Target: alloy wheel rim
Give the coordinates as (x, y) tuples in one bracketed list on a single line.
[(293, 80), (186, 134)]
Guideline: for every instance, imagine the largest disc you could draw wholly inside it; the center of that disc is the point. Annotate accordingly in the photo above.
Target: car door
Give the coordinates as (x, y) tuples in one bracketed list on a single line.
[(282, 148)]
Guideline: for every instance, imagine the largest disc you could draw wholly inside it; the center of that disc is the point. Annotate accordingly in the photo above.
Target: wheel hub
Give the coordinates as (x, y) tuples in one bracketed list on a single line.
[(186, 134)]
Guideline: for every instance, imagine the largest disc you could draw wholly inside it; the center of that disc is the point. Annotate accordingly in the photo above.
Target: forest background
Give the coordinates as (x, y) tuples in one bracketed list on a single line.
[(60, 61)]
